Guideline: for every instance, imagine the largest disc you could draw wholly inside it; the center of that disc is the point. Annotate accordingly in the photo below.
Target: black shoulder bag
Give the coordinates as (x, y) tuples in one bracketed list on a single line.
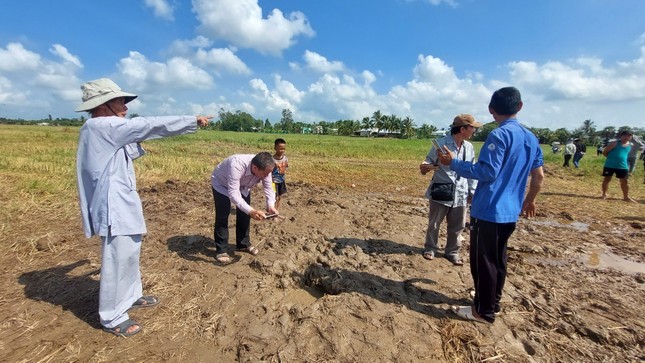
[(445, 192)]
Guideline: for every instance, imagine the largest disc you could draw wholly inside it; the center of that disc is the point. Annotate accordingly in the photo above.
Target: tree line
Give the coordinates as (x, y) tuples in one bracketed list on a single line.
[(376, 125)]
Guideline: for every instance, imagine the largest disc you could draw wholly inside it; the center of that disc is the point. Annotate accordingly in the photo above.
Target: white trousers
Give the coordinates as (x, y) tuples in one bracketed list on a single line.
[(120, 284)]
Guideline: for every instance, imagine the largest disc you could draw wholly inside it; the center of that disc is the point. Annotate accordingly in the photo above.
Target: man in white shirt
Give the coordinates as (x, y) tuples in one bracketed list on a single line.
[(110, 205), (232, 181)]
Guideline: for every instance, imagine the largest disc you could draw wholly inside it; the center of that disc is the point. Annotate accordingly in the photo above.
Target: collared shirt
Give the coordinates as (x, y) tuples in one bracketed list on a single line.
[(463, 186), (233, 177), (105, 175), (506, 159)]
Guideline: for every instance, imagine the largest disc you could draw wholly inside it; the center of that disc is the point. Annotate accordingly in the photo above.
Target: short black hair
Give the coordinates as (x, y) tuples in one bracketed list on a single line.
[(506, 101), (263, 160), (279, 141)]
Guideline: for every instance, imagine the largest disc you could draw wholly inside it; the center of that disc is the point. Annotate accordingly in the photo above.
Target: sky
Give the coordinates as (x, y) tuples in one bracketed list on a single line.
[(572, 60)]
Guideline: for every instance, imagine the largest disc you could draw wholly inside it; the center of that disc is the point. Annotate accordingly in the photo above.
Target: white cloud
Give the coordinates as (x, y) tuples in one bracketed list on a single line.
[(63, 53), (320, 64), (161, 8), (176, 73), (184, 47), (16, 58), (222, 59), (585, 79), (240, 22)]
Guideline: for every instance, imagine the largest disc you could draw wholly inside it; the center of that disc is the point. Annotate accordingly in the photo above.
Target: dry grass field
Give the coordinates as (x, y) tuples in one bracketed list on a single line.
[(339, 277)]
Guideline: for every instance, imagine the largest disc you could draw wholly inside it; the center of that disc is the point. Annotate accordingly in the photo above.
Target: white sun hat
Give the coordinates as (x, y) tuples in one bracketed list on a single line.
[(100, 91)]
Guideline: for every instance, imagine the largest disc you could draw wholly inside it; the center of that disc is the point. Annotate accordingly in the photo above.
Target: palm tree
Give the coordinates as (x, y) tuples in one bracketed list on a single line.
[(378, 119), (407, 127), (367, 124)]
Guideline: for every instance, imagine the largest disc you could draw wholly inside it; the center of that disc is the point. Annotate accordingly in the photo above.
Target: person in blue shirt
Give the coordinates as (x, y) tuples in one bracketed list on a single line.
[(110, 205), (509, 155)]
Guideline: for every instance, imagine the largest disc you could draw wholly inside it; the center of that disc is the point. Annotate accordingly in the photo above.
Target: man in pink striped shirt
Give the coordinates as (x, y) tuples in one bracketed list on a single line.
[(231, 182)]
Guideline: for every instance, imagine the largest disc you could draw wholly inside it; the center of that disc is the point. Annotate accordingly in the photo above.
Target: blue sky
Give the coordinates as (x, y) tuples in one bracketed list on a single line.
[(332, 59)]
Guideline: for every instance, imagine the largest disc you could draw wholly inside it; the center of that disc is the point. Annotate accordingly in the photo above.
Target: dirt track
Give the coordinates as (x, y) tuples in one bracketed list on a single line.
[(340, 278)]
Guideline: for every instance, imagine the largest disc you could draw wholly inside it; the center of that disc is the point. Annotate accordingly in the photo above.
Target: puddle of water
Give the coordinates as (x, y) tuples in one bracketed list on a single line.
[(578, 226), (601, 258), (598, 258)]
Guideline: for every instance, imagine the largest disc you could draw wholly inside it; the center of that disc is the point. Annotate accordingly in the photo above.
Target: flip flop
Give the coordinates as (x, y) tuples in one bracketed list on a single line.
[(223, 258), (145, 302), (251, 250), (121, 330), (456, 260), (466, 313), (428, 255)]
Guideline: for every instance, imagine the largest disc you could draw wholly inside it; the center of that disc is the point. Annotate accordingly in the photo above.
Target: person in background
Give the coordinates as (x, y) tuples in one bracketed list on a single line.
[(110, 205), (569, 150), (509, 155), (581, 149), (281, 166), (637, 145), (453, 208), (616, 164), (231, 182)]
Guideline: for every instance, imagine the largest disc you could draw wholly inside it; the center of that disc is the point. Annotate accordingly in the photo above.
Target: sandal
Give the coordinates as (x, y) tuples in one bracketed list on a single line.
[(122, 329), (428, 255), (145, 302), (223, 258), (251, 249), (466, 312), (456, 260)]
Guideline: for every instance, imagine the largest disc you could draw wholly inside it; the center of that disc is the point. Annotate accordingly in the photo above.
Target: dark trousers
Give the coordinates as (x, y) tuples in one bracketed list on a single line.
[(242, 223), (488, 242), (566, 160)]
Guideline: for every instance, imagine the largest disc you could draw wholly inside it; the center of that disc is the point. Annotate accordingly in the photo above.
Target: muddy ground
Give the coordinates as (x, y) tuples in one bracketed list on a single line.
[(340, 278)]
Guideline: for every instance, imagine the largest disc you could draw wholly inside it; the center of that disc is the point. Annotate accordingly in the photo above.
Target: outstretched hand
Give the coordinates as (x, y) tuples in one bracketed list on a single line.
[(203, 120)]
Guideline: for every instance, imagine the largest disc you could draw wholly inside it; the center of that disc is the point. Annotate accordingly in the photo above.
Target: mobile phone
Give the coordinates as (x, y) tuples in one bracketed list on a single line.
[(270, 216), (436, 146)]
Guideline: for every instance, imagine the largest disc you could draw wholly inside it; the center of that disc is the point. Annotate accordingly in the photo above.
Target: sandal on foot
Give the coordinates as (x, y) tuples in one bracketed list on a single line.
[(428, 255), (456, 260), (223, 258), (466, 313), (252, 250), (145, 302), (122, 330)]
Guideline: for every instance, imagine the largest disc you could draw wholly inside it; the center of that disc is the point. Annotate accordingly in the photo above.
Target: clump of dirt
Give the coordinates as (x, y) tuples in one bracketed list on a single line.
[(340, 278)]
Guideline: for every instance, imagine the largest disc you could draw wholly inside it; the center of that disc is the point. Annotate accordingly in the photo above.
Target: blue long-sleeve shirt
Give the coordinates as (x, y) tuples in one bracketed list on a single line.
[(105, 175), (506, 159)]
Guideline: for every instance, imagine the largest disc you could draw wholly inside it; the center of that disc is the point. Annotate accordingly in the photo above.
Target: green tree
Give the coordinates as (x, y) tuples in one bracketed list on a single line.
[(378, 119), (286, 122), (407, 127)]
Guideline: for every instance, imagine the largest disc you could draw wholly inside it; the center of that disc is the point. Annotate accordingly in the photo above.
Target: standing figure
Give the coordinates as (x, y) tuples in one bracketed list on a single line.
[(569, 150), (509, 155), (452, 206), (637, 145), (616, 163), (232, 181), (281, 166), (581, 149), (110, 205)]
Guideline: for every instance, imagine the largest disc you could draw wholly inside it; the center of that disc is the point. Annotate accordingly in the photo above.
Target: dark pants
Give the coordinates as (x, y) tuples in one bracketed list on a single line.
[(566, 160), (488, 264), (242, 223)]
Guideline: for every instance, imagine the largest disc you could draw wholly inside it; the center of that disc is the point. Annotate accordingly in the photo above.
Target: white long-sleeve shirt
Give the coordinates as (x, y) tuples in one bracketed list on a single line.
[(105, 175), (233, 178)]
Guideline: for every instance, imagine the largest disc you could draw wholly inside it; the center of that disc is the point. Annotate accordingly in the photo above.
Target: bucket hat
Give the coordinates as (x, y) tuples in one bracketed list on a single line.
[(100, 91)]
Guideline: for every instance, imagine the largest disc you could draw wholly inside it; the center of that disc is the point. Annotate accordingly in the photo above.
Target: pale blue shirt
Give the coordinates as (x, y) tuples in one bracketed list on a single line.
[(105, 175), (233, 177), (463, 186)]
